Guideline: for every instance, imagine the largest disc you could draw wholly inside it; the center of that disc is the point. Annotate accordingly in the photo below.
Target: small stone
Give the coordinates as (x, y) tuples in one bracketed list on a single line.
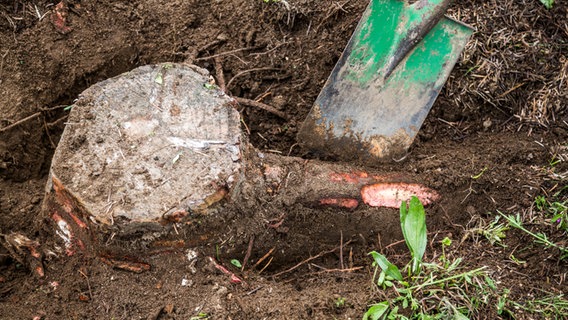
[(487, 123)]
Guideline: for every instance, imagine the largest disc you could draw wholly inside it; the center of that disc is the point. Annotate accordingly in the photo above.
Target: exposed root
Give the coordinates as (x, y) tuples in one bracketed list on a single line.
[(309, 259), (263, 106)]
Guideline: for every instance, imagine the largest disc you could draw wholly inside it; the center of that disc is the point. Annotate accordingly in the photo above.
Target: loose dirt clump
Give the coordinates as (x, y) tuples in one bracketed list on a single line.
[(494, 141)]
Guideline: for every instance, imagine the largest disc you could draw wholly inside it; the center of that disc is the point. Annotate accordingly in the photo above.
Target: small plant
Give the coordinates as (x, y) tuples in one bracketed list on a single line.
[(547, 3), (541, 238), (200, 316), (551, 306), (433, 291), (557, 208), (446, 242), (560, 215), (340, 302), (494, 232)]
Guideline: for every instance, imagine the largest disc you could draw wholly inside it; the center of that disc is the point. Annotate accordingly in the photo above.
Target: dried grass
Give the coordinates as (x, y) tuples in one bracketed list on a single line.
[(516, 62)]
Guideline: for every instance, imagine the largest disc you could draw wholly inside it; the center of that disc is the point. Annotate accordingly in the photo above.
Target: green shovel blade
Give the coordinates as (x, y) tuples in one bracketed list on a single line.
[(385, 82)]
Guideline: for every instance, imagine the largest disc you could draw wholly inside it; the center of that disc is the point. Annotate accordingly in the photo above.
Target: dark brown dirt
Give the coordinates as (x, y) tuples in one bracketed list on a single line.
[(503, 109)]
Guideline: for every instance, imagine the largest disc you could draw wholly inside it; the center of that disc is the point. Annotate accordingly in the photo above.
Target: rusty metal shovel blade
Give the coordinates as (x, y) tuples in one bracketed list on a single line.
[(385, 82)]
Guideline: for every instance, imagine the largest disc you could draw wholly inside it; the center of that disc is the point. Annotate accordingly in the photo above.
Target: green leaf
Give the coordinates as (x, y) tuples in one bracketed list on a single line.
[(381, 280), (454, 264), (376, 311), (547, 3), (236, 263), (490, 282), (413, 224), (389, 269), (159, 78)]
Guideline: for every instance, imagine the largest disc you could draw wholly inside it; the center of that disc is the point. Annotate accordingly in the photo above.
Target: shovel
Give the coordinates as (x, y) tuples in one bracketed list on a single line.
[(385, 82)]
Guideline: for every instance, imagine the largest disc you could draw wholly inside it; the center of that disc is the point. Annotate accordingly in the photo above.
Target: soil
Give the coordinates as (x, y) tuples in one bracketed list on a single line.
[(494, 140)]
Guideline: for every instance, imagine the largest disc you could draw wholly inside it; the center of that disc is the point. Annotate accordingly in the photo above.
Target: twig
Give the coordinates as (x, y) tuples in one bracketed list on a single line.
[(338, 7), (264, 95), (308, 260), (265, 52), (511, 90), (254, 290), (266, 265), (249, 71), (341, 250), (28, 118), (227, 53), (17, 123), (88, 284), (48, 135), (260, 105), (211, 44), (2, 63), (219, 74), (58, 121), (264, 257), (247, 255), (336, 270)]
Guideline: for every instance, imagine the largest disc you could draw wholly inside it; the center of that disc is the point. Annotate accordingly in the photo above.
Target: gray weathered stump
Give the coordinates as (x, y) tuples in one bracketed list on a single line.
[(143, 150)]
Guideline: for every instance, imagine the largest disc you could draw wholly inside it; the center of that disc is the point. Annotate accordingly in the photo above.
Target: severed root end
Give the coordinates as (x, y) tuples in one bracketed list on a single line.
[(392, 194), (25, 251), (71, 218)]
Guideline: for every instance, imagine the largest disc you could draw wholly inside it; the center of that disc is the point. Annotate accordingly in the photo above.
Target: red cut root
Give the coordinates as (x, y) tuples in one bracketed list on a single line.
[(392, 194), (233, 277), (59, 18), (346, 203)]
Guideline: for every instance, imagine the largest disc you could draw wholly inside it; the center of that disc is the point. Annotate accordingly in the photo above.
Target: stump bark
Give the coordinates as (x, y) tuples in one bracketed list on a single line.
[(144, 150)]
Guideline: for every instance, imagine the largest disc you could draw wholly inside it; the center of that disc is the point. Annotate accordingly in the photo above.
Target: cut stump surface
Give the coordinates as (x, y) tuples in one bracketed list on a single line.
[(152, 142)]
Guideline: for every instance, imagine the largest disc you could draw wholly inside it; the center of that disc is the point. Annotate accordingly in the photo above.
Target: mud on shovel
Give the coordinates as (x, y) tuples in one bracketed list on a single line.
[(385, 82)]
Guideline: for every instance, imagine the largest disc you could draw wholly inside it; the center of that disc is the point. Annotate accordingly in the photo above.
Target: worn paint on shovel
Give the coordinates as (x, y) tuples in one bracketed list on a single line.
[(385, 82)]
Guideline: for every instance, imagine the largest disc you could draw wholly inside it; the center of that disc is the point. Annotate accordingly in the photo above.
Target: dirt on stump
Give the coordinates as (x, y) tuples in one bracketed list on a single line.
[(494, 140)]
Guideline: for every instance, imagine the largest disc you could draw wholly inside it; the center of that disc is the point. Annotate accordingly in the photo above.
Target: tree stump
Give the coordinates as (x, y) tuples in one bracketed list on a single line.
[(144, 150)]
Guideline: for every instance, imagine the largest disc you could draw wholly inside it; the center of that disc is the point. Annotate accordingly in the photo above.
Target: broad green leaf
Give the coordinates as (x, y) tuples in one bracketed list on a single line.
[(547, 3), (236, 263), (390, 269), (413, 224), (376, 311)]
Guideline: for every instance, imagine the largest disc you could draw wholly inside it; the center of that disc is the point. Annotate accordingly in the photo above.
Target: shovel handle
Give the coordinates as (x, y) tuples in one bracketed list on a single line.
[(419, 18)]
